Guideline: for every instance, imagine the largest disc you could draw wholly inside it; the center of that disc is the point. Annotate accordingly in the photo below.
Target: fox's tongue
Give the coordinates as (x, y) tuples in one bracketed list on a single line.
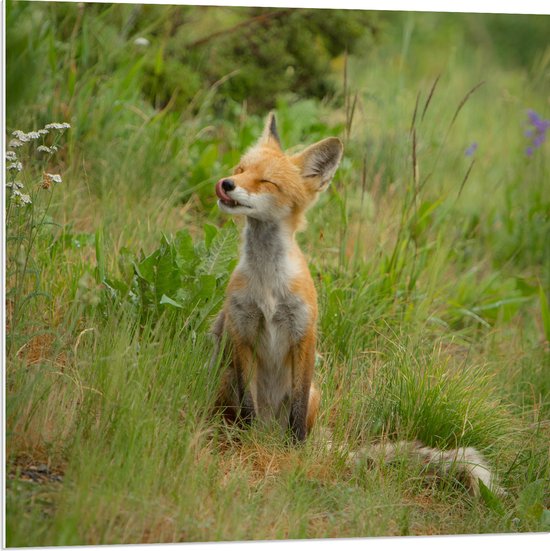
[(221, 193)]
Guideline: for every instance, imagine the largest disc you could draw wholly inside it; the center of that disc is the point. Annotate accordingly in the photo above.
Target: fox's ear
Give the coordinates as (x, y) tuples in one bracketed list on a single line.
[(270, 136), (319, 162)]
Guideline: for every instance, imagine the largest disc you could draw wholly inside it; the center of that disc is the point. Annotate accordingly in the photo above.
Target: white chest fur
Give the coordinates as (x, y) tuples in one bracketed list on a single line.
[(268, 316)]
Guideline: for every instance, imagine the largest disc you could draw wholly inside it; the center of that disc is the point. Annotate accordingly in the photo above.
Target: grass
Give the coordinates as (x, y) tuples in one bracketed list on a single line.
[(432, 269)]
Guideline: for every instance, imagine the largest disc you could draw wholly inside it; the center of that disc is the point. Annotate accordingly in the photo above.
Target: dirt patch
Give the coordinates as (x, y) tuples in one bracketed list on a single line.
[(37, 348), (33, 470)]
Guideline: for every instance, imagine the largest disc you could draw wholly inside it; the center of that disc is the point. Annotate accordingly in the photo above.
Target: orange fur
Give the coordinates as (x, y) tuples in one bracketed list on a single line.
[(270, 312)]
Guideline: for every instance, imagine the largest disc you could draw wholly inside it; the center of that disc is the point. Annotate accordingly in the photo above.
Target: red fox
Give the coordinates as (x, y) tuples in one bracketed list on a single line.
[(270, 311), (266, 330)]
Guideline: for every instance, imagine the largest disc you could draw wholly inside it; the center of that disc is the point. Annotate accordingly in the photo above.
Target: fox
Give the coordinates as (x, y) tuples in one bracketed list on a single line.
[(270, 312), (266, 332)]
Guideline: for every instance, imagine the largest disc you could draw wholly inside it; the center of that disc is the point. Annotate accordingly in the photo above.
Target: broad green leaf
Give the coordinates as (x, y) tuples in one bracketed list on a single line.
[(206, 286), (210, 232), (222, 251), (184, 244), (116, 284), (491, 499), (168, 278), (186, 256), (146, 268), (167, 300), (183, 294)]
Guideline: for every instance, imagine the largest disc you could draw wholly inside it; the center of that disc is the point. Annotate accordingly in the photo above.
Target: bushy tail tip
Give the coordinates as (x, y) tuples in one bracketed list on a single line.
[(466, 464)]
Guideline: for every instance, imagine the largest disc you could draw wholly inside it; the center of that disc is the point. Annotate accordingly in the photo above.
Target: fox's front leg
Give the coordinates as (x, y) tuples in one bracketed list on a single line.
[(234, 398), (243, 367), (303, 361), (217, 331)]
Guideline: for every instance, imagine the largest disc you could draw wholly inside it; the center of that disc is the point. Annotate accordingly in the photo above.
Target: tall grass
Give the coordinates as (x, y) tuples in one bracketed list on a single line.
[(432, 267)]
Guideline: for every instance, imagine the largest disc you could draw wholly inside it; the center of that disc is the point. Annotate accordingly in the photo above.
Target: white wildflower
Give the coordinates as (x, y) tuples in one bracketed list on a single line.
[(54, 177), (15, 143), (42, 131), (141, 41), (14, 185), (11, 156), (20, 135), (26, 136), (15, 166), (46, 149), (21, 198), (48, 179), (57, 126)]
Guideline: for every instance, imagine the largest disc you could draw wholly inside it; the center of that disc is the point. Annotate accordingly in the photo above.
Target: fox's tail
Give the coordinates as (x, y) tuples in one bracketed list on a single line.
[(467, 465)]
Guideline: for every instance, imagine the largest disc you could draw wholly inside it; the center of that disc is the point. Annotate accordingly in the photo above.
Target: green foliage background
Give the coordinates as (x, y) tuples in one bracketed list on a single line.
[(432, 268)]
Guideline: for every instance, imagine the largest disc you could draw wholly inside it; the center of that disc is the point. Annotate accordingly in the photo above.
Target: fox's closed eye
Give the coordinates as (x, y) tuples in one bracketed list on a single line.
[(263, 181)]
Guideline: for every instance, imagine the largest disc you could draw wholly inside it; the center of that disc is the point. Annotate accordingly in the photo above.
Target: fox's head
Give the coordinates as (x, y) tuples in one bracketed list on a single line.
[(269, 185)]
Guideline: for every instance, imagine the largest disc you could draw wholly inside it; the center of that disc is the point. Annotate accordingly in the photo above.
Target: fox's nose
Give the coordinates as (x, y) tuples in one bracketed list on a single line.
[(228, 185)]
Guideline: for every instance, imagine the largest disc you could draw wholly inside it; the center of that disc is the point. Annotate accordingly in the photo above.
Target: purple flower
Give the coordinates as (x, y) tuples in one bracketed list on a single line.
[(533, 117), (539, 140), (471, 150), (537, 133), (540, 124)]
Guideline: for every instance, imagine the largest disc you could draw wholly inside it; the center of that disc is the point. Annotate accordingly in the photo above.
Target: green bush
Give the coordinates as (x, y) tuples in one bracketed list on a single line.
[(181, 276)]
